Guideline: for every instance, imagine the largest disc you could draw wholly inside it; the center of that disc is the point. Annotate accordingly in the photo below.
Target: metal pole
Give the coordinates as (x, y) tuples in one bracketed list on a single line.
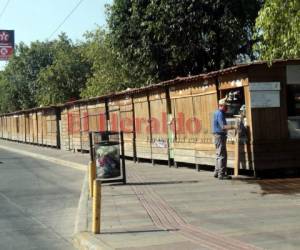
[(92, 176), (123, 157), (91, 146)]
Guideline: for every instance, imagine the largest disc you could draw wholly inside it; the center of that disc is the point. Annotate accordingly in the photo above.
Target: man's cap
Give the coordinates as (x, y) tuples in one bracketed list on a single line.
[(223, 101)]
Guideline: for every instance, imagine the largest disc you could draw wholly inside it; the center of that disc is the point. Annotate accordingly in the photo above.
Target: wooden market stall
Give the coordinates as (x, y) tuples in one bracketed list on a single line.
[(49, 127), (172, 120), (142, 125), (160, 131), (127, 125), (97, 119), (205, 98), (41, 127), (74, 127), (182, 108), (64, 129), (22, 128), (120, 111)]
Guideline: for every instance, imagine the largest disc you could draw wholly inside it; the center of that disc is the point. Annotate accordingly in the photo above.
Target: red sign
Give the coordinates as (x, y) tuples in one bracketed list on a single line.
[(6, 52), (6, 44)]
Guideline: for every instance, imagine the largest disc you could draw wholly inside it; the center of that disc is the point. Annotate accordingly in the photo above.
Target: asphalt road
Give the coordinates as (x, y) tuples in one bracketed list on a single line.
[(38, 203)]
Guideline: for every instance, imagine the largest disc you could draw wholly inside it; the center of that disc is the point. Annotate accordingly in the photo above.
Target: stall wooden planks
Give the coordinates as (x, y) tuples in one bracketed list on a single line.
[(1, 127), (22, 128), (27, 127), (121, 118), (32, 125), (74, 127), (113, 111), (65, 129), (205, 103), (40, 128), (97, 120), (84, 127), (159, 124), (127, 125), (182, 111), (142, 126), (50, 128)]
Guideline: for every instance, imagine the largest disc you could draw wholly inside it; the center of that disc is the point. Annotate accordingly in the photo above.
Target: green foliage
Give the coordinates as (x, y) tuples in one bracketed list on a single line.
[(19, 77), (43, 73), (7, 96), (158, 40), (278, 30), (65, 77), (147, 41), (108, 73)]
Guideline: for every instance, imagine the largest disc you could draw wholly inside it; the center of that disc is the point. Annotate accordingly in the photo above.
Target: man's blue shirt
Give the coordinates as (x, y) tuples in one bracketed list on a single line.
[(219, 122)]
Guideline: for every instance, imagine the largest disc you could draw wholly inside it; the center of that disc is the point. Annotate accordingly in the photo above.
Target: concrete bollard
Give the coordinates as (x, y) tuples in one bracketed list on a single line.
[(96, 223), (92, 176)]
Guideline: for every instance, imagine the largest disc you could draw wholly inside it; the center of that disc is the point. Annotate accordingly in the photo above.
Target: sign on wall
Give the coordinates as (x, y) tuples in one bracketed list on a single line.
[(265, 94), (7, 44)]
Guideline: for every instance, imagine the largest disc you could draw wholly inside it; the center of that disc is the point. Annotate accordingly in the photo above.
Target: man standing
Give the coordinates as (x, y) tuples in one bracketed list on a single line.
[(220, 129)]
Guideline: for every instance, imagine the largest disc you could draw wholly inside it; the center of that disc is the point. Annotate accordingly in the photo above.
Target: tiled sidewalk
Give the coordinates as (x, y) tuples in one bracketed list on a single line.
[(163, 208)]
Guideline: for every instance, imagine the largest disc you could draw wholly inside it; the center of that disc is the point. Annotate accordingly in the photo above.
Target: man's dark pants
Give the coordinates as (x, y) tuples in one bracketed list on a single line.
[(221, 155)]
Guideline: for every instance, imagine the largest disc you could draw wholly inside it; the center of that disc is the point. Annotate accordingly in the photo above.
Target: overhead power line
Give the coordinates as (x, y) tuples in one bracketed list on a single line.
[(4, 8), (66, 18)]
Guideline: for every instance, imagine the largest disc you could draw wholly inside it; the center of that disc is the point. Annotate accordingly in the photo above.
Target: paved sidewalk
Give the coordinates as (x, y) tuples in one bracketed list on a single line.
[(165, 208)]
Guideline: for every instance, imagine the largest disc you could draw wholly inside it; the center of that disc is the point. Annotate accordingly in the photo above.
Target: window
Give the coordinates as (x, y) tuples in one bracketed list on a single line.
[(293, 100), (235, 97)]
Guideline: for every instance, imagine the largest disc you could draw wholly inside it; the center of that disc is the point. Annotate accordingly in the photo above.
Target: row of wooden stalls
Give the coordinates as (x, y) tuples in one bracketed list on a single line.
[(171, 121), (36, 126)]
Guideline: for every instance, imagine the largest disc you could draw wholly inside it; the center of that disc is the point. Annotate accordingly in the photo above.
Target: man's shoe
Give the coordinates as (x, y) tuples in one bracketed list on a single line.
[(216, 175), (225, 177)]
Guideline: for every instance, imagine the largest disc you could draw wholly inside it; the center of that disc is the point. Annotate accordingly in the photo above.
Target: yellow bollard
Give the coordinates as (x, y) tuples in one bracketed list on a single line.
[(96, 223), (92, 176)]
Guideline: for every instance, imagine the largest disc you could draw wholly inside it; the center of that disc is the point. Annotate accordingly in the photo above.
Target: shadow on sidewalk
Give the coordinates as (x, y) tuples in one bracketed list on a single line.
[(285, 186)]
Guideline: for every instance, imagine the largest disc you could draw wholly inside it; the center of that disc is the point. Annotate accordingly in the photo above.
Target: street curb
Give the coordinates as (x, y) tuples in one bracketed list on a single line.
[(83, 239), (81, 221), (64, 163), (86, 241)]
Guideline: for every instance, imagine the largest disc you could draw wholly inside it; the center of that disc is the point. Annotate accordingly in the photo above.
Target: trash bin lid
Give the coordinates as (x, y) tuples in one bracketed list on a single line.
[(107, 143)]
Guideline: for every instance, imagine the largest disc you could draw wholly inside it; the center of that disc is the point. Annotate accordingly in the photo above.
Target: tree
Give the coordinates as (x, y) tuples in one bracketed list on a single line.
[(278, 30), (18, 83), (65, 77), (8, 100), (158, 40), (43, 73), (108, 72)]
